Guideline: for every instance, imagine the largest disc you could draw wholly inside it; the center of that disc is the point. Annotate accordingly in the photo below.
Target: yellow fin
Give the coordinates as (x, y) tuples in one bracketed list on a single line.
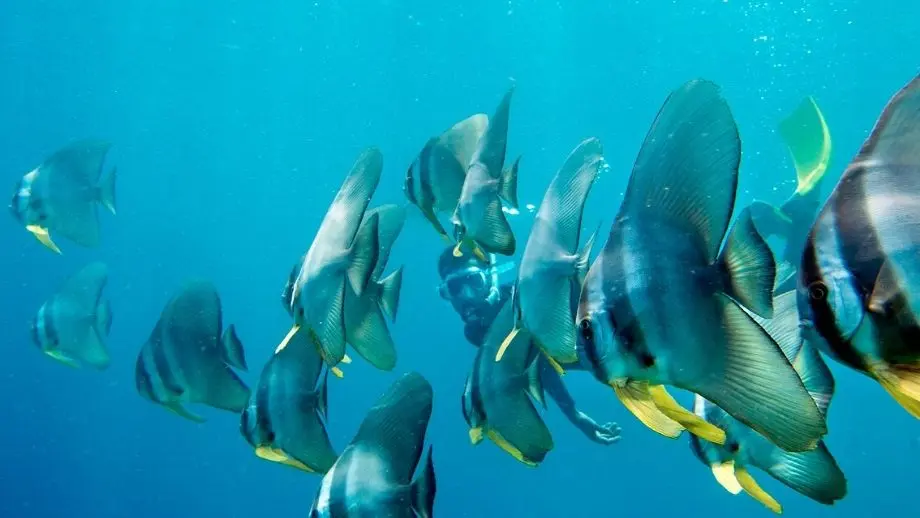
[(511, 450), (41, 233), (902, 382), (477, 251), (280, 456), (692, 422), (346, 359), (475, 435), (554, 364), (66, 360), (725, 476), (752, 488), (507, 341), (635, 397), (337, 372), (287, 338), (457, 251), (808, 138)]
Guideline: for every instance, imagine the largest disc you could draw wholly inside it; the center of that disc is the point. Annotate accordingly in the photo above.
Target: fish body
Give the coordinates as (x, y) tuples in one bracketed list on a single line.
[(859, 279), (374, 475), (662, 304), (186, 359), (338, 255), (480, 224), (73, 325), (498, 397), (552, 267), (435, 179), (61, 194), (814, 473), (285, 421)]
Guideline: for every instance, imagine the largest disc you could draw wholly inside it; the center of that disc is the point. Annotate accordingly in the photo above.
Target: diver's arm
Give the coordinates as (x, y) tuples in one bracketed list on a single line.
[(553, 385)]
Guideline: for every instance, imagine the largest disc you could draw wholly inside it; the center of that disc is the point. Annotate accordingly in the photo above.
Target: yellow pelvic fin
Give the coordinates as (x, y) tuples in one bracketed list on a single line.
[(287, 338), (692, 422), (510, 449), (480, 254), (752, 488), (475, 435), (457, 251), (553, 363), (41, 233), (725, 475), (635, 397), (280, 456), (346, 359), (61, 357), (337, 372), (808, 138), (902, 382), (505, 343)]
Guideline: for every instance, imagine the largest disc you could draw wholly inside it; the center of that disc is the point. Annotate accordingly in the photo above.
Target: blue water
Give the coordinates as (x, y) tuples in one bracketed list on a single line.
[(234, 123)]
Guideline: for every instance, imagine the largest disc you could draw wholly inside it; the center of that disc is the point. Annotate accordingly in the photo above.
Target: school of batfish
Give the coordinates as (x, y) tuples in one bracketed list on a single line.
[(686, 294)]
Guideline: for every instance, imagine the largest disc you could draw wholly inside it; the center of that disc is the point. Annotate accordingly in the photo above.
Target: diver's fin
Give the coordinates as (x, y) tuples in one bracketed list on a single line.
[(692, 422), (770, 220), (636, 398), (181, 411), (816, 376), (686, 173), (808, 138), (363, 254), (43, 237), (814, 473), (107, 191), (752, 488), (783, 328), (231, 349), (394, 428), (902, 382), (749, 267), (756, 384), (507, 189), (390, 288), (423, 489), (371, 339)]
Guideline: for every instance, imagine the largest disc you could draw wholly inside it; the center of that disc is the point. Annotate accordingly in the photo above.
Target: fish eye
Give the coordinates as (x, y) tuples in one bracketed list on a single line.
[(586, 329), (817, 290)]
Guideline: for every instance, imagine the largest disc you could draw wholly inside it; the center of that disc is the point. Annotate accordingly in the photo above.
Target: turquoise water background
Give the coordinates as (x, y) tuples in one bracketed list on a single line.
[(234, 123)]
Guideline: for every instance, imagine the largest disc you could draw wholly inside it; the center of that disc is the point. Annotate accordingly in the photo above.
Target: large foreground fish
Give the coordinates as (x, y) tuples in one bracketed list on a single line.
[(552, 268), (61, 194), (814, 473), (339, 255), (73, 325), (480, 224), (373, 476), (498, 398), (286, 418), (859, 280), (662, 306), (187, 360), (808, 139)]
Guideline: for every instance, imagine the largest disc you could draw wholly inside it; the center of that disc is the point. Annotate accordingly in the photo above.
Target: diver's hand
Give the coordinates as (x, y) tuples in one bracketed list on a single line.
[(604, 434)]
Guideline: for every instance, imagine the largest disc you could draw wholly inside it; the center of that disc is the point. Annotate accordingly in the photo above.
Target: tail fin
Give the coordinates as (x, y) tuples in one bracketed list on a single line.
[(748, 266), (107, 191), (423, 489), (507, 189), (806, 134), (231, 349), (390, 288)]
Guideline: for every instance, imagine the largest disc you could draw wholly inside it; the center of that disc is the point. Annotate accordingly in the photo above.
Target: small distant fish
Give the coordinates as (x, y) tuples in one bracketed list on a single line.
[(552, 268), (859, 279), (365, 326), (187, 360), (286, 418), (479, 222), (434, 181), (339, 255), (498, 399), (808, 138), (373, 476), (662, 303), (814, 473), (60, 195), (73, 325)]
